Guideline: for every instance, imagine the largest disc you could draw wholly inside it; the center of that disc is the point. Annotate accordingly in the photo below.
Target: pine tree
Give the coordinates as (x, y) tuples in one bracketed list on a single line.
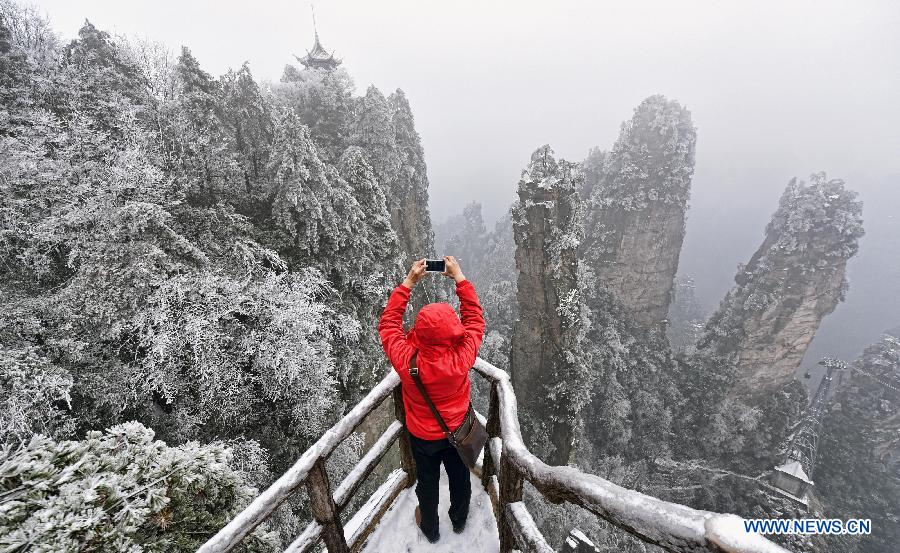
[(323, 100), (120, 490), (249, 119), (201, 156), (181, 250), (34, 396), (104, 83), (304, 194), (373, 131)]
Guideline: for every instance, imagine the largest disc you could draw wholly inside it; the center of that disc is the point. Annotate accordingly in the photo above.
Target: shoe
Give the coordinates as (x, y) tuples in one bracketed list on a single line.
[(419, 524), (459, 528)]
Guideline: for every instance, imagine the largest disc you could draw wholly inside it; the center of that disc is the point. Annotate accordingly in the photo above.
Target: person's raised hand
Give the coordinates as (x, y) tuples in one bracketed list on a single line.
[(452, 270), (416, 273)]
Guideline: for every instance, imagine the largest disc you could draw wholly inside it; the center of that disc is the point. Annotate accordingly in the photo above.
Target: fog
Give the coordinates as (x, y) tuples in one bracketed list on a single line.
[(776, 89)]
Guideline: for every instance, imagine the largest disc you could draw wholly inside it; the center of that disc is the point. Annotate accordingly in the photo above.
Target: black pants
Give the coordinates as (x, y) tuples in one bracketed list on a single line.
[(429, 454)]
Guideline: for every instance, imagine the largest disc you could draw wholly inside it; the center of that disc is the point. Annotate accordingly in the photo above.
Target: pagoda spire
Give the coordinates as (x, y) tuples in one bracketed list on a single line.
[(315, 29), (318, 57)]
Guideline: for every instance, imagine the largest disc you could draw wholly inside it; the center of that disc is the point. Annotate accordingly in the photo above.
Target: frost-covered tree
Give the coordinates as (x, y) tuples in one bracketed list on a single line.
[(248, 115), (29, 32), (384, 129), (633, 397), (375, 244), (324, 102), (304, 193), (232, 358), (367, 269), (546, 339), (34, 396), (196, 134), (120, 490), (323, 219), (373, 131), (102, 81), (15, 74), (686, 317)]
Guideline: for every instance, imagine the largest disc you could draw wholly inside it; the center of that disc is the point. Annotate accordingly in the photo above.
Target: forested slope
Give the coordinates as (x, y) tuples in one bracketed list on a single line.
[(205, 256)]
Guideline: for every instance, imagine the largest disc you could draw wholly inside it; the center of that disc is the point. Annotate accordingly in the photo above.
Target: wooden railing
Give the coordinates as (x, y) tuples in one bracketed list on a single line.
[(506, 465), (326, 506), (671, 526)]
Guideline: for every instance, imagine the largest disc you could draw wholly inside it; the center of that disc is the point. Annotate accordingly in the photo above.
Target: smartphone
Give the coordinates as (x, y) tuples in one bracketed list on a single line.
[(435, 265)]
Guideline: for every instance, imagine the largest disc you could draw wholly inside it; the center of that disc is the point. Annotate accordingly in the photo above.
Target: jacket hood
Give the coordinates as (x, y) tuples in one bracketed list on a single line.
[(437, 325)]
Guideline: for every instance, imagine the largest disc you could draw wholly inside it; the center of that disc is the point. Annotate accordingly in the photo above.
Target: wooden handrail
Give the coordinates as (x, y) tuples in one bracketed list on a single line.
[(671, 526), (507, 463), (265, 503)]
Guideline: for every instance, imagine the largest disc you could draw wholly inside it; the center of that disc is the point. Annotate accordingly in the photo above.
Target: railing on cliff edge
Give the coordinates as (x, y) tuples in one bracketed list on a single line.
[(507, 463)]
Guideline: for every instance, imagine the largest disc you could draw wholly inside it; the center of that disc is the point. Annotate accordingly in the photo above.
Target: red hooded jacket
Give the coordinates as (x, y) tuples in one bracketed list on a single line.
[(446, 348)]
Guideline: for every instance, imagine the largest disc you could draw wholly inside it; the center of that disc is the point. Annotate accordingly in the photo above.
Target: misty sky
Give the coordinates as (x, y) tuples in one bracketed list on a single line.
[(776, 89)]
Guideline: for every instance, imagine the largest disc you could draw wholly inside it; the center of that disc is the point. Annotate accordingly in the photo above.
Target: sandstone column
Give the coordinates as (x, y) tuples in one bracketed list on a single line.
[(637, 198), (546, 336), (797, 276)]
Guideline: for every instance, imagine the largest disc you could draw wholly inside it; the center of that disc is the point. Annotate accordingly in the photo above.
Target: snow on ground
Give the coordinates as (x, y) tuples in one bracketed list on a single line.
[(398, 533)]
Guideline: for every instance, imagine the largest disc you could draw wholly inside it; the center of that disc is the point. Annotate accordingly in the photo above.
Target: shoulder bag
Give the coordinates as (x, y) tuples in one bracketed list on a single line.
[(469, 438)]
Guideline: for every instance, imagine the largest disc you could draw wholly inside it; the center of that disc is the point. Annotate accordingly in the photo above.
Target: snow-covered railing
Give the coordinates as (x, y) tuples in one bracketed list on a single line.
[(327, 506), (671, 526), (506, 464)]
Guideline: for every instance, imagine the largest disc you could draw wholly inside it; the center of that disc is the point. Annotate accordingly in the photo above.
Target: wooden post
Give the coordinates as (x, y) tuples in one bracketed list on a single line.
[(324, 510), (510, 492), (489, 468), (407, 462)]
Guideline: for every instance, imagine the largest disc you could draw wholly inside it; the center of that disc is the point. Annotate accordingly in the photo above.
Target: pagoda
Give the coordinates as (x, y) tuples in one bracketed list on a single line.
[(318, 57)]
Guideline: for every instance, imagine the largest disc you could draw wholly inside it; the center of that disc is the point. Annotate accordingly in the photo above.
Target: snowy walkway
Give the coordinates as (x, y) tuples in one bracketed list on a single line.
[(398, 533)]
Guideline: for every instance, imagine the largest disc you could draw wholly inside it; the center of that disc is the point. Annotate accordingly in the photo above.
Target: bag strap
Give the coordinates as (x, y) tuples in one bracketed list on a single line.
[(414, 373)]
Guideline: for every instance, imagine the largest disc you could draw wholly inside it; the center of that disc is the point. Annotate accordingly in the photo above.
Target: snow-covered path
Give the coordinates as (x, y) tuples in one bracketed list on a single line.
[(398, 533)]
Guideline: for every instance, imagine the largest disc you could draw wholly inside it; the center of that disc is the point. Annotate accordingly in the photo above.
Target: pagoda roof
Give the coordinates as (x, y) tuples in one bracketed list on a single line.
[(319, 56)]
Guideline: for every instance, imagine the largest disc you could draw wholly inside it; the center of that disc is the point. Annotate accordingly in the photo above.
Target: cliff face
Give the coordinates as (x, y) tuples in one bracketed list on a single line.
[(873, 391), (547, 332), (859, 449), (765, 324), (637, 197)]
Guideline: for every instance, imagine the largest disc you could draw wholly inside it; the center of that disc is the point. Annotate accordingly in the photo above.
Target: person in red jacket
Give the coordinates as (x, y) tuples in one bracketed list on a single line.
[(445, 349)]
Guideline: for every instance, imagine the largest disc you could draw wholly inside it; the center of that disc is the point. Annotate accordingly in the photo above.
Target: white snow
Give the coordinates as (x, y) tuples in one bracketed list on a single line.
[(578, 534), (794, 469), (727, 531), (398, 533)]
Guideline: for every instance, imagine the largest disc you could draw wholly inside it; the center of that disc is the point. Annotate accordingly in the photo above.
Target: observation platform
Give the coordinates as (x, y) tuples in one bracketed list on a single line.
[(499, 519), (397, 532)]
